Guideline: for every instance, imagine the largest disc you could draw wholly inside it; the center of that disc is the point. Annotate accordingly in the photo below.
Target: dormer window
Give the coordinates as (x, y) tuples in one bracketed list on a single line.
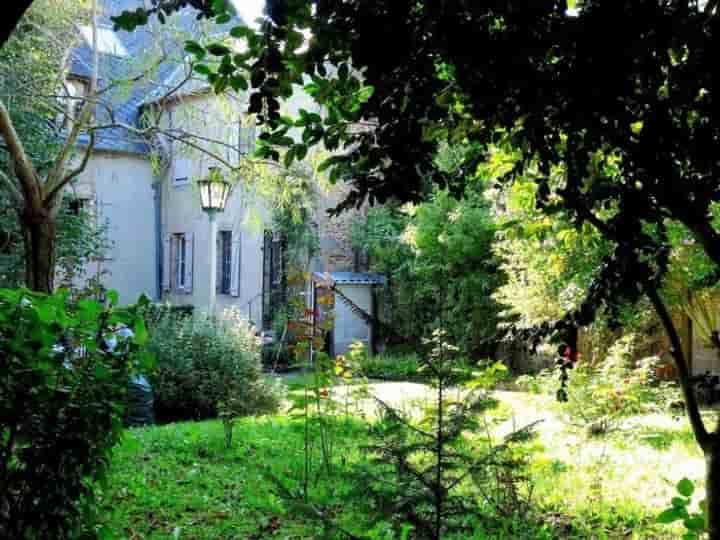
[(107, 40), (74, 92)]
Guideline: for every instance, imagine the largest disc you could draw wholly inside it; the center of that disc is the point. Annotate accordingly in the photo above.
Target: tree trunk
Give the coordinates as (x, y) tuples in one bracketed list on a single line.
[(712, 486), (39, 235)]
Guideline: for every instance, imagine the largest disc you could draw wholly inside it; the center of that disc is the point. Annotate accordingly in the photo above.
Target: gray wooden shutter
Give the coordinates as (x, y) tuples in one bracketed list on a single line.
[(166, 269), (189, 259), (235, 262), (219, 262)]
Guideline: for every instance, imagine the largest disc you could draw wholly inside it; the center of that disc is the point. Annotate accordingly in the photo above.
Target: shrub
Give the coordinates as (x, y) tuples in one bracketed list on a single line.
[(391, 367), (208, 366), (64, 373)]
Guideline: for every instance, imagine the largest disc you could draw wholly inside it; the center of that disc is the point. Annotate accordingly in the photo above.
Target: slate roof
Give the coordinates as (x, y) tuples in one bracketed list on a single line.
[(126, 100), (350, 278)]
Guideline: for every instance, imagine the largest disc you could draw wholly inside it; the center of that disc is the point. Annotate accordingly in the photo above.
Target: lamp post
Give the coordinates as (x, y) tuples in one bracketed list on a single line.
[(214, 190)]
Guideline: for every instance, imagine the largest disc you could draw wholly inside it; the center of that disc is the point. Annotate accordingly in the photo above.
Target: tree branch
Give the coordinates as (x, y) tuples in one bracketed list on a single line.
[(55, 180), (693, 411), (74, 173), (11, 187), (22, 166)]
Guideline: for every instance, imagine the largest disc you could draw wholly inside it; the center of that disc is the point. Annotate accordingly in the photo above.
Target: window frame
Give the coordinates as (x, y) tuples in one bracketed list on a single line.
[(180, 261), (225, 241)]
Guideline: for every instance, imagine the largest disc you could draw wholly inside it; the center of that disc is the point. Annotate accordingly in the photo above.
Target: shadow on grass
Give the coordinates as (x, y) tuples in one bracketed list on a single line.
[(664, 439)]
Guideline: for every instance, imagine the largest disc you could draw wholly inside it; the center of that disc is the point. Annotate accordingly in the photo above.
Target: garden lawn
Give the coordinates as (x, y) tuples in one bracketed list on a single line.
[(179, 480)]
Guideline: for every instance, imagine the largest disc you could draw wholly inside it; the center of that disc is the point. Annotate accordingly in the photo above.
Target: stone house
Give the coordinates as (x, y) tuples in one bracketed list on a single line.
[(158, 232)]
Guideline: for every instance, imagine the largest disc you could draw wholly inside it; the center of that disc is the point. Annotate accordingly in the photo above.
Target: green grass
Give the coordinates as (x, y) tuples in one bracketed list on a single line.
[(179, 481)]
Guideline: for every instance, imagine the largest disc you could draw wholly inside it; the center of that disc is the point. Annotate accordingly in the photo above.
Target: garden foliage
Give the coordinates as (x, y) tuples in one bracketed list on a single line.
[(425, 474), (599, 398), (440, 241), (207, 367), (391, 367), (64, 373)]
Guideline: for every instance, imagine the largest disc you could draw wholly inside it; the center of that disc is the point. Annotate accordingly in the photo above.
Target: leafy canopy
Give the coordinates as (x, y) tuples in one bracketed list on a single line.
[(631, 119)]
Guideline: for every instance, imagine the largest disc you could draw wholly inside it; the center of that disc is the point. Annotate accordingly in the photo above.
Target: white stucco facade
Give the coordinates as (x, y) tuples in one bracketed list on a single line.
[(244, 218), (146, 208), (119, 189)]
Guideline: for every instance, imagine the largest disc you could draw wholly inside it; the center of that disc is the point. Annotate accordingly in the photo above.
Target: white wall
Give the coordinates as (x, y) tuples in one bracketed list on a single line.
[(121, 187), (348, 326), (244, 214)]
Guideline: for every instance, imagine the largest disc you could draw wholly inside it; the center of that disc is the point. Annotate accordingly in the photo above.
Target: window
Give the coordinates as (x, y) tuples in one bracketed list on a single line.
[(182, 167), (180, 260), (77, 206), (177, 262), (224, 266), (274, 283)]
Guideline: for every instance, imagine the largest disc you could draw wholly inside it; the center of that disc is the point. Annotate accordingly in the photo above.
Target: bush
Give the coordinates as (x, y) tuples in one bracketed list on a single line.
[(207, 366), (600, 398), (64, 373), (391, 367)]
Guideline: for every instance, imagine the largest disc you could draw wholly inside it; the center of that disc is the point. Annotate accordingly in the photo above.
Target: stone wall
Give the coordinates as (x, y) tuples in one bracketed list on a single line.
[(334, 232)]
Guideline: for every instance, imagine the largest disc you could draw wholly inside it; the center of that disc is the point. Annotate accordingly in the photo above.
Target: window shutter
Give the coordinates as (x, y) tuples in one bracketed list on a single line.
[(166, 270), (235, 262), (218, 262), (189, 259)]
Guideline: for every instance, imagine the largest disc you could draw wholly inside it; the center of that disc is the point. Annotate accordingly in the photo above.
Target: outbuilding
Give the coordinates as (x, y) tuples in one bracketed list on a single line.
[(353, 304)]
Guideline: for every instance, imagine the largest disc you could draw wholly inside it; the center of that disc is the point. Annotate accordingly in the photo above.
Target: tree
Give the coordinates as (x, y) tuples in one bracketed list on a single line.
[(49, 132), (35, 176), (442, 240), (620, 94)]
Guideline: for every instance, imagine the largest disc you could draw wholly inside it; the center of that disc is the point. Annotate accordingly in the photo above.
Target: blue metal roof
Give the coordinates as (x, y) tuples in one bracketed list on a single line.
[(126, 100), (350, 278)]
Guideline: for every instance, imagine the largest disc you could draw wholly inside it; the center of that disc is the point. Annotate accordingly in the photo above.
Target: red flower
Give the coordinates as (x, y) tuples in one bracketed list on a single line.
[(570, 355)]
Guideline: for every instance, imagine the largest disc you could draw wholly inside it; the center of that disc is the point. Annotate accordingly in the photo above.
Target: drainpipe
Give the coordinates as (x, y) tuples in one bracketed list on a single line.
[(157, 187)]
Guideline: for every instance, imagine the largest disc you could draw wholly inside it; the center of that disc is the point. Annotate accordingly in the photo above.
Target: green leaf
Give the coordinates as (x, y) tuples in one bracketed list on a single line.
[(285, 141), (146, 361), (113, 297), (102, 372), (193, 47), (365, 93), (220, 84), (218, 49), (669, 515), (222, 19), (141, 333), (300, 152), (242, 32), (238, 83), (219, 6), (679, 502), (636, 127), (685, 487), (289, 156), (695, 523), (202, 69)]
